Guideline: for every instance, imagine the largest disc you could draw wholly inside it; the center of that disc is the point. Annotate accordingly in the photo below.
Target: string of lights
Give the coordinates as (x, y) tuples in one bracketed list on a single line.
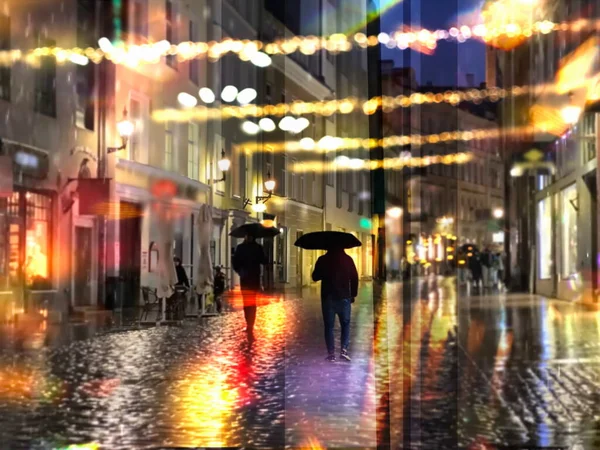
[(346, 105), (259, 53), (343, 163), (330, 107), (329, 144)]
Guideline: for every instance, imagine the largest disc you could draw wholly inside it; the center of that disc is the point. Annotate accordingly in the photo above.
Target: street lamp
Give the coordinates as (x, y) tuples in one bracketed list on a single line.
[(570, 114), (395, 212), (224, 165), (125, 128), (259, 205), (269, 184), (498, 213)]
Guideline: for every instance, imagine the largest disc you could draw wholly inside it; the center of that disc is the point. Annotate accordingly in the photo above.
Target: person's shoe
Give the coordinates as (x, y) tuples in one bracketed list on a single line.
[(330, 358), (345, 356)]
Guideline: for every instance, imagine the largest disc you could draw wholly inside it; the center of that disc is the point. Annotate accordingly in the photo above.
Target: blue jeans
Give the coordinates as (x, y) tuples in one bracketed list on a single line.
[(343, 309)]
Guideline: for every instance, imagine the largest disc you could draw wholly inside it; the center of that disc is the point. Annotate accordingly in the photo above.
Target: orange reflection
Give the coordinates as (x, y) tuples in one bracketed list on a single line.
[(575, 67)]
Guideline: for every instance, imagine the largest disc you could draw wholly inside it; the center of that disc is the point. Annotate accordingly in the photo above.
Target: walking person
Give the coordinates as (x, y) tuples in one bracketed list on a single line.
[(339, 288), (486, 265), (219, 288), (476, 271), (500, 258), (182, 278), (247, 260)]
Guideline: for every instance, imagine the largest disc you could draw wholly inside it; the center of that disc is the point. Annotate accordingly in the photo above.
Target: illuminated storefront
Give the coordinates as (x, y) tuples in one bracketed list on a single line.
[(25, 244)]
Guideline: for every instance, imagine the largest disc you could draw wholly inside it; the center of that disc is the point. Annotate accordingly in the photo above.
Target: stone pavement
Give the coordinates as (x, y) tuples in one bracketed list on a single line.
[(455, 372), (196, 385)]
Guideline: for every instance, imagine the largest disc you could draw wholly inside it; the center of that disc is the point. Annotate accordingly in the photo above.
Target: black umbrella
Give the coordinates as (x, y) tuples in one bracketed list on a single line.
[(325, 240), (254, 229)]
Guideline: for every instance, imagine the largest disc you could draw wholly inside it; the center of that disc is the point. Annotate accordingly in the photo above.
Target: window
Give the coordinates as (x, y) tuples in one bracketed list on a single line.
[(545, 238), (170, 31), (569, 232), (240, 185), (168, 162), (38, 235), (134, 147), (45, 82), (194, 62), (139, 21), (284, 175), (293, 186), (193, 151), (5, 44), (218, 146)]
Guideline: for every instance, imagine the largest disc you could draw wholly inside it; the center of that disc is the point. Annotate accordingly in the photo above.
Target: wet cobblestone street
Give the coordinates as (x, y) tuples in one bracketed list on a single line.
[(514, 370)]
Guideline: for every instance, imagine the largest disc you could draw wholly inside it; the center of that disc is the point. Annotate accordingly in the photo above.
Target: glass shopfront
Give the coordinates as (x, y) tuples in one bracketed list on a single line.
[(26, 241), (568, 216), (545, 238)]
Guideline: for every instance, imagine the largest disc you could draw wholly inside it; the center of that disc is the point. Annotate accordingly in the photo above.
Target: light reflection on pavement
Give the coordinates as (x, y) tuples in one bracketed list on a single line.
[(505, 370)]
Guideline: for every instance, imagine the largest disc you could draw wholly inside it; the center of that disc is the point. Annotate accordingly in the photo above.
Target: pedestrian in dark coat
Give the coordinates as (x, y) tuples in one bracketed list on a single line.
[(247, 260), (339, 288), (476, 269), (182, 278)]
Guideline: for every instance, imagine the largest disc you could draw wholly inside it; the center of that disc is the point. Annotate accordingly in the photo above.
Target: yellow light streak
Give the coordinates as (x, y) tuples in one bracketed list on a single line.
[(347, 105), (386, 163), (333, 144), (151, 53)]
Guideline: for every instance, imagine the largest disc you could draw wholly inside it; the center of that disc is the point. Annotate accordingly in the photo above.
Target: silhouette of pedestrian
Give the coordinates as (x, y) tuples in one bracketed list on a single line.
[(247, 260), (339, 288)]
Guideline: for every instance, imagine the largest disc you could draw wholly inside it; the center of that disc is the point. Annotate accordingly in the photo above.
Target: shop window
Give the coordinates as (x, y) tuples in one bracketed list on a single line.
[(281, 255), (568, 216), (5, 44), (545, 238), (38, 234), (45, 82)]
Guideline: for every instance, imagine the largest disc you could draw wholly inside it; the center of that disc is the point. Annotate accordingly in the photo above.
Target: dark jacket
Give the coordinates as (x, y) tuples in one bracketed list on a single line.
[(338, 275), (182, 278), (247, 258), (219, 283)]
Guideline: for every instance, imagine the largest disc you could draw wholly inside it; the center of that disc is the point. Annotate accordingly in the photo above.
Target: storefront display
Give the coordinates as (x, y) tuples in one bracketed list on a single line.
[(26, 240), (568, 216), (545, 238)]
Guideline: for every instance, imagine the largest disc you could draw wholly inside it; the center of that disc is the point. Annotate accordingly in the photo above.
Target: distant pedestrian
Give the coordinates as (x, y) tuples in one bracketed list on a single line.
[(339, 288), (486, 265), (501, 282), (247, 260), (476, 268), (182, 278), (219, 288)]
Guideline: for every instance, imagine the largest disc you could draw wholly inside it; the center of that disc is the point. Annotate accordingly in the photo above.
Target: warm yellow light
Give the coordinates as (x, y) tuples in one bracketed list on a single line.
[(269, 223), (450, 257), (224, 164), (270, 185), (259, 207), (395, 212), (125, 128), (498, 213), (570, 114)]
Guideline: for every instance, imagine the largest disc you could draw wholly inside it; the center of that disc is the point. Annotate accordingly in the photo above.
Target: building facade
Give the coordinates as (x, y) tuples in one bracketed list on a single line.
[(449, 205), (48, 136)]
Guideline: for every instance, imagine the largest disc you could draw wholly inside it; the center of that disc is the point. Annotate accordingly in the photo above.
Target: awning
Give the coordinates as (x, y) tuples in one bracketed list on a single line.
[(144, 175)]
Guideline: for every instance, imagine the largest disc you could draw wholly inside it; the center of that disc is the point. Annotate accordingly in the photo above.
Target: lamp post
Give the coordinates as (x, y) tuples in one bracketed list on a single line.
[(259, 205), (125, 128)]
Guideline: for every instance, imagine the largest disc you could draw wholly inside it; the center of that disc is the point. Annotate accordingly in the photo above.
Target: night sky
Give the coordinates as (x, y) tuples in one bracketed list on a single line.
[(451, 61)]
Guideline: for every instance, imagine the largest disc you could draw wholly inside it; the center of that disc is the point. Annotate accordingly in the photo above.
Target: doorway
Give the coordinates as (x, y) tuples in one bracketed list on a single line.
[(83, 275), (130, 240), (299, 261)]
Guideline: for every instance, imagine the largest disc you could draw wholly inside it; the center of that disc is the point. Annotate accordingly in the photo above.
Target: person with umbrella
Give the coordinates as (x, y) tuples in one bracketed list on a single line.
[(339, 284), (247, 260)]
